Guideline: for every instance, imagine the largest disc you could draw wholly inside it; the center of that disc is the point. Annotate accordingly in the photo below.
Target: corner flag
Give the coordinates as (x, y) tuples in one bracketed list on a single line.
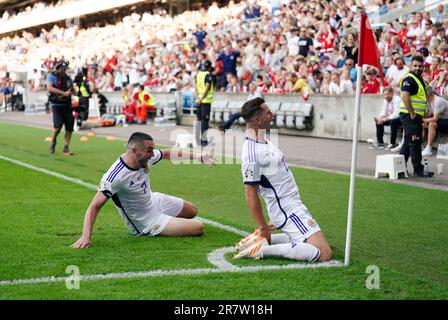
[(368, 50), (368, 54)]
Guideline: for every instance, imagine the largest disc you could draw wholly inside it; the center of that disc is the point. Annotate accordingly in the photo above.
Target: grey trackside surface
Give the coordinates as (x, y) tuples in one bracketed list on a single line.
[(326, 154)]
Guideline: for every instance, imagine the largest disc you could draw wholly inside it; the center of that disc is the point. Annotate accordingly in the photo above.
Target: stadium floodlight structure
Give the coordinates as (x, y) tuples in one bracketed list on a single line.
[(368, 54)]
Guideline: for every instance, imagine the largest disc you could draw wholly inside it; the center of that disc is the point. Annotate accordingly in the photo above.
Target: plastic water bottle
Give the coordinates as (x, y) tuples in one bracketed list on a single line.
[(426, 168)]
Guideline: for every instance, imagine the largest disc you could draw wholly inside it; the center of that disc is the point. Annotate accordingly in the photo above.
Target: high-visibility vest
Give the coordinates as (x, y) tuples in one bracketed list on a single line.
[(151, 102), (200, 87), (418, 101), (83, 89)]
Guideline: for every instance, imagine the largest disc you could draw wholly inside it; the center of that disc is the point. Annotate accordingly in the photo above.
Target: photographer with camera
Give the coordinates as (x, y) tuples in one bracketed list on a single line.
[(60, 88)]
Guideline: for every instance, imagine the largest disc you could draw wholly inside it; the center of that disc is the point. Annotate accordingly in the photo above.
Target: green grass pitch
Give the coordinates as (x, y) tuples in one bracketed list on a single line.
[(400, 229)]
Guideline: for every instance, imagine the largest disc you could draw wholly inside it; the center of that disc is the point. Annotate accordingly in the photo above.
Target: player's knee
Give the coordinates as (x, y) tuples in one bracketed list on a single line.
[(198, 228), (194, 210), (325, 253)]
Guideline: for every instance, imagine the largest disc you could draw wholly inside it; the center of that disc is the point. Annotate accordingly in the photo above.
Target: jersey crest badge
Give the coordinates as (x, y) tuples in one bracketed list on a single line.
[(311, 223)]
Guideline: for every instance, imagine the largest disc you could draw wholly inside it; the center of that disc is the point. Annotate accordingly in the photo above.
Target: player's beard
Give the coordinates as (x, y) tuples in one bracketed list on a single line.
[(143, 163)]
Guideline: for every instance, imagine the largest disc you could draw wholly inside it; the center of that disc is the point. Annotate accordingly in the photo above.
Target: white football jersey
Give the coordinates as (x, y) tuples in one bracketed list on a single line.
[(130, 190), (264, 164)]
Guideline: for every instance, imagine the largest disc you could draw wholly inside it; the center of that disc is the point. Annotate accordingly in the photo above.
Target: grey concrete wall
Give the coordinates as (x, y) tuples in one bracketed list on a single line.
[(333, 114)]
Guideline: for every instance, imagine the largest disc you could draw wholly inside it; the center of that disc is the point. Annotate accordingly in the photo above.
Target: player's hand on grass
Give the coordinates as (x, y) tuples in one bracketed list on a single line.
[(81, 243)]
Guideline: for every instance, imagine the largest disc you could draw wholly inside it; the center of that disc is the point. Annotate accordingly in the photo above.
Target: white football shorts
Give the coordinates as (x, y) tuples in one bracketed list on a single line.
[(165, 208), (300, 225)]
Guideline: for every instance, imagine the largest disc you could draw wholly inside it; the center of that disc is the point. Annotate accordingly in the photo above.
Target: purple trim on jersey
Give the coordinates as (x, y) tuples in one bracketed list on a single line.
[(263, 142), (251, 151), (117, 202), (107, 193), (300, 222), (128, 167), (161, 156), (297, 223), (252, 182), (317, 256), (114, 172), (266, 184)]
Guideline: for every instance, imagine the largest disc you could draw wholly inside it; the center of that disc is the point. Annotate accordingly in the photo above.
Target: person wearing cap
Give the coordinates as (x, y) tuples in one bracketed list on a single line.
[(60, 88), (425, 54), (412, 110), (325, 64), (205, 88), (371, 85)]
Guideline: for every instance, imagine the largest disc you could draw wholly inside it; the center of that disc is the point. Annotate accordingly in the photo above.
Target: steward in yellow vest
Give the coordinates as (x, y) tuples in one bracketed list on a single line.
[(205, 88), (412, 109)]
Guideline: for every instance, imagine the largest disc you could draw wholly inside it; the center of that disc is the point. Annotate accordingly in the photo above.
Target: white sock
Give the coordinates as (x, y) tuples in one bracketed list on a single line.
[(294, 251), (278, 238)]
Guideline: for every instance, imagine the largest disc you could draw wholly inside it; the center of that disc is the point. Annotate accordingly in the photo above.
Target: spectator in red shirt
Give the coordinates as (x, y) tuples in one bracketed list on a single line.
[(371, 85)]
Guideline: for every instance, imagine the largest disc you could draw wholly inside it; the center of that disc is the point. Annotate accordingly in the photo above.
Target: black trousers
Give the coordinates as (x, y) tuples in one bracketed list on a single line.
[(233, 117), (412, 144), (203, 115), (394, 123)]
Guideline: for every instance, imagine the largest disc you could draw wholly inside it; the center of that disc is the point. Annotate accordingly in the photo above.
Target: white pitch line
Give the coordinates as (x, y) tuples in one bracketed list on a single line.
[(217, 259), (179, 272), (94, 187)]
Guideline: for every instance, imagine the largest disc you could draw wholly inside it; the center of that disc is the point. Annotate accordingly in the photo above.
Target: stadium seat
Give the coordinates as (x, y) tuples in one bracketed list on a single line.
[(274, 107), (217, 109), (280, 119), (302, 116), (167, 109)]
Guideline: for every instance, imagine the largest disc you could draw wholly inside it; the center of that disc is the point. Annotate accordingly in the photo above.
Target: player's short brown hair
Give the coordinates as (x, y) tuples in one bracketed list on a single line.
[(251, 108)]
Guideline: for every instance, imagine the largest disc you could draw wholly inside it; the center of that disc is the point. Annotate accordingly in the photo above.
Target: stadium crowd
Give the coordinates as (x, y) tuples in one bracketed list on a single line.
[(281, 46)]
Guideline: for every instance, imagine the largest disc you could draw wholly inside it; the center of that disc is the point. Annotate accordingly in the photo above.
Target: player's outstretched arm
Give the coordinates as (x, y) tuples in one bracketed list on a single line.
[(89, 220), (180, 154)]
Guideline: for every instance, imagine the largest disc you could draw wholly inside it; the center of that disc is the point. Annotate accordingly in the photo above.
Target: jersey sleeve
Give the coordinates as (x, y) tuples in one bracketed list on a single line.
[(107, 187), (158, 155), (251, 172)]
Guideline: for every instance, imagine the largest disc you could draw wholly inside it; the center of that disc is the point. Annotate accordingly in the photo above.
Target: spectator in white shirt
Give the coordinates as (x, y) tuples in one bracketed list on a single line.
[(346, 85), (396, 72), (334, 84), (389, 116), (415, 30)]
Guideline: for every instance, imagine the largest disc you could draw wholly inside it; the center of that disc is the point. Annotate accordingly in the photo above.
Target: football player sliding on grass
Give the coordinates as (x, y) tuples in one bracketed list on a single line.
[(146, 213), (265, 172)]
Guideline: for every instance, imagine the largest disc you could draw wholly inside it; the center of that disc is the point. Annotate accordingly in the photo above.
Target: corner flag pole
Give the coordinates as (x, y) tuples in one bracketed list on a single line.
[(351, 199), (368, 54)]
